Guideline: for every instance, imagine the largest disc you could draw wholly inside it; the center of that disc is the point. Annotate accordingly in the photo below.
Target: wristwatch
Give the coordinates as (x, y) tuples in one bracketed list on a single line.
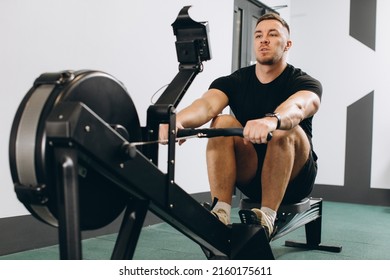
[(277, 116)]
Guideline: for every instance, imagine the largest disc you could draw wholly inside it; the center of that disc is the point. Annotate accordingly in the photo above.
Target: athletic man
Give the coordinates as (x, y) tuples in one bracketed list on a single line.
[(271, 96)]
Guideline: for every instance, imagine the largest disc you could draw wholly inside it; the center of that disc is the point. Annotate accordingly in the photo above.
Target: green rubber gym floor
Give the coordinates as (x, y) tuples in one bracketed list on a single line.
[(362, 230)]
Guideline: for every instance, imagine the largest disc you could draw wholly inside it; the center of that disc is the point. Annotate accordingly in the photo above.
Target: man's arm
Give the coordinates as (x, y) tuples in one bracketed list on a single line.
[(299, 106), (199, 112), (203, 109)]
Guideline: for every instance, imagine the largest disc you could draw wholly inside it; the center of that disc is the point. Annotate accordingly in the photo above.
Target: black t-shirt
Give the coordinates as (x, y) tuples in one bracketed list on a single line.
[(250, 99)]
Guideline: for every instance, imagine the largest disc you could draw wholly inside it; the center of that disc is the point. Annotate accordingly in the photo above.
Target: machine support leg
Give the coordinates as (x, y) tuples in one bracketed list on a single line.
[(130, 229), (68, 204), (313, 232)]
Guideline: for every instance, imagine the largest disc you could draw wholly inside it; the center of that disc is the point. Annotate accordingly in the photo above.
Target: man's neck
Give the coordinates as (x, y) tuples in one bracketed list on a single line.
[(268, 73)]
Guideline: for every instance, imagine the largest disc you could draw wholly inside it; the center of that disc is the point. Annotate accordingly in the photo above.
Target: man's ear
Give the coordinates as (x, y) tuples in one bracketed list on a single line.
[(288, 45)]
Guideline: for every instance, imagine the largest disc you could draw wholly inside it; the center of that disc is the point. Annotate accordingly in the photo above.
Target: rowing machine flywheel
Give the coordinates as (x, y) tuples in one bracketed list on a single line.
[(100, 201)]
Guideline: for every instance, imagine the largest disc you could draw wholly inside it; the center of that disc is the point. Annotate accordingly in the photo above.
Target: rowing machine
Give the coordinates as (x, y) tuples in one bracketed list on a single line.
[(74, 167)]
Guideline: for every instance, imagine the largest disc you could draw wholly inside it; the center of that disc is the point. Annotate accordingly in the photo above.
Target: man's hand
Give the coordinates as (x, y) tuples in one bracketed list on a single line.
[(257, 131), (163, 133)]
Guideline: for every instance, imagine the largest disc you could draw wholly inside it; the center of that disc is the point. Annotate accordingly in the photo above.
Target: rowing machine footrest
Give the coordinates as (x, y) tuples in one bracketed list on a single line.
[(250, 242)]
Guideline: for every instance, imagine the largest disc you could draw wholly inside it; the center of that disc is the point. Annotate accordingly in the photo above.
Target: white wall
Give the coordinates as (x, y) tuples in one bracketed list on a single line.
[(131, 40), (348, 70), (320, 48)]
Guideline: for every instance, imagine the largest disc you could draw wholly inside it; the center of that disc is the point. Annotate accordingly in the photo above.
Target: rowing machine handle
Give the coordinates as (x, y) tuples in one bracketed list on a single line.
[(213, 132)]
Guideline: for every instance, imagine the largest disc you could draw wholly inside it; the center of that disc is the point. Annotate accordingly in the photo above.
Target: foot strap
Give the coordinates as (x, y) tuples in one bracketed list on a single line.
[(248, 217), (209, 206)]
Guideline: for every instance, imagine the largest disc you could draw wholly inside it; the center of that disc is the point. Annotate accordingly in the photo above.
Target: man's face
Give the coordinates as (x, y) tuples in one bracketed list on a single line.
[(271, 41)]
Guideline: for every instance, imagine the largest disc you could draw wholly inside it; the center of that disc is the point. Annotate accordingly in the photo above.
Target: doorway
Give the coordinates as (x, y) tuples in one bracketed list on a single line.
[(246, 14)]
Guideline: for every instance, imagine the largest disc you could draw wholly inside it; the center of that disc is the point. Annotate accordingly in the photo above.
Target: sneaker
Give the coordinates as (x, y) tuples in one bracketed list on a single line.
[(265, 221), (258, 217), (221, 215)]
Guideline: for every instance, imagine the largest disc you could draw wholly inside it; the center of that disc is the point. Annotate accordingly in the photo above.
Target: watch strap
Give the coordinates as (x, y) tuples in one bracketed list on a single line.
[(277, 116)]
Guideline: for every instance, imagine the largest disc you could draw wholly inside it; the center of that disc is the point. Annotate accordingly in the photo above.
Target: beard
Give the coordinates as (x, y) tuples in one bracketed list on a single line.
[(267, 61), (270, 59)]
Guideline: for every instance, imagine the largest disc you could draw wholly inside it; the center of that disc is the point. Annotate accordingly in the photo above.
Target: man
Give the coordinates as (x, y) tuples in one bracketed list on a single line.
[(268, 97)]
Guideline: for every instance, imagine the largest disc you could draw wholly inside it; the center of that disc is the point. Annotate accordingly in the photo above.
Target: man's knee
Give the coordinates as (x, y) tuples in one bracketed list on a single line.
[(222, 121), (295, 141), (294, 137)]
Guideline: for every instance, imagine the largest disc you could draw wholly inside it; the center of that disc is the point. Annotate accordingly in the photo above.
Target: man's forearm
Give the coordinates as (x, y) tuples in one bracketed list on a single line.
[(194, 115)]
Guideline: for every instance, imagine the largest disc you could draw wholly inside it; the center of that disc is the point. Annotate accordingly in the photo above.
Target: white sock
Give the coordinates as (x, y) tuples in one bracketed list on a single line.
[(225, 207), (270, 213)]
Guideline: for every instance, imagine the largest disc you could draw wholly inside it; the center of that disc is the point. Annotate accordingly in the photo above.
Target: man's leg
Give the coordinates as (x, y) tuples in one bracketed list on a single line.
[(229, 161), (287, 153)]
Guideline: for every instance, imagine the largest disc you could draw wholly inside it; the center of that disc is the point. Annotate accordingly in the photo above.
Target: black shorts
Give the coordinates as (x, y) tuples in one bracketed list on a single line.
[(297, 189)]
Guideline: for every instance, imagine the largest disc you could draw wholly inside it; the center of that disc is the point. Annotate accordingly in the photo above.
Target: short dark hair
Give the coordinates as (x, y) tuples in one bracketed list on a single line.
[(274, 16)]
